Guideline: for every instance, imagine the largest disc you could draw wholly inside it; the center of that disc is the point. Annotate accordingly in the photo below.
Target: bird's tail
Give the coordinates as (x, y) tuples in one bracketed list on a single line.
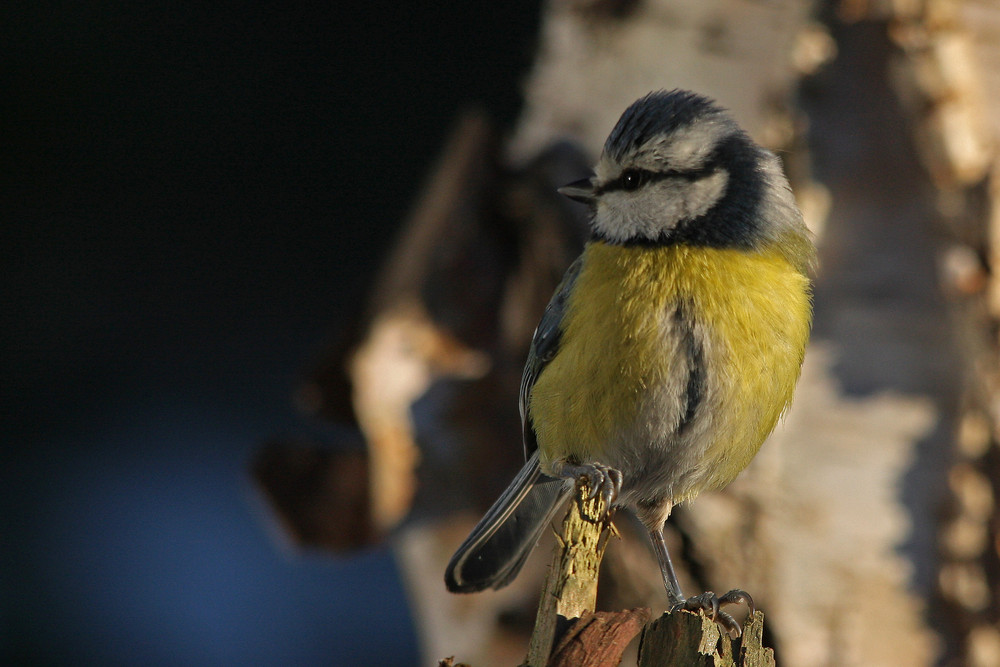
[(494, 552)]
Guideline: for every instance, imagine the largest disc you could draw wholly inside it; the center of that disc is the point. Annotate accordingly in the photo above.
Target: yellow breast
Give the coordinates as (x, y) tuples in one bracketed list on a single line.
[(751, 312)]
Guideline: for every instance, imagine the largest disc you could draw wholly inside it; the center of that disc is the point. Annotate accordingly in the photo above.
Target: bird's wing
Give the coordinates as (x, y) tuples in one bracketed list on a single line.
[(544, 345), (497, 547)]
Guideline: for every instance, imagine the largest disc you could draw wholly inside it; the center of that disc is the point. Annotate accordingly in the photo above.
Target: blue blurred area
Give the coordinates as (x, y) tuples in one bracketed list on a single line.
[(194, 196), (145, 552)]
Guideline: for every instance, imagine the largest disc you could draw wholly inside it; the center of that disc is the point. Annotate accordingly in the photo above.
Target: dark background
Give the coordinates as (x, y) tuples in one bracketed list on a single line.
[(192, 196)]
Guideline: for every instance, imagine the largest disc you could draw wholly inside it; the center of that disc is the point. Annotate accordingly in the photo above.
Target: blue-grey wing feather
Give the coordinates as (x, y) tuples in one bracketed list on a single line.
[(496, 549), (544, 345)]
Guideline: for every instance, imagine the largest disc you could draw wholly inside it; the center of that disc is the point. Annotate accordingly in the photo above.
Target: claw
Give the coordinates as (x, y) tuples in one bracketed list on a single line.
[(737, 596), (707, 602), (710, 603), (612, 490), (729, 624), (608, 493), (599, 478)]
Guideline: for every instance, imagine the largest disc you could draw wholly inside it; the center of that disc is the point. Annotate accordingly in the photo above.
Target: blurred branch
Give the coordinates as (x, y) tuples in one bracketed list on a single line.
[(303, 481)]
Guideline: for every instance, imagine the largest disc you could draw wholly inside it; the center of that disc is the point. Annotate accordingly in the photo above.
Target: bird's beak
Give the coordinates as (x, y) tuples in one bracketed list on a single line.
[(581, 191)]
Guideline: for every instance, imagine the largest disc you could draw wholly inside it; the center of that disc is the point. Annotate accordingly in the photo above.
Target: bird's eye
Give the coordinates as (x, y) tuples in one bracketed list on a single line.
[(632, 179)]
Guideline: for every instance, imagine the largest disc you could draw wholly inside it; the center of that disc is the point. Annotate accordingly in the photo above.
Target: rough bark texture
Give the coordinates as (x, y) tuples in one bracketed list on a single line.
[(599, 639), (571, 588), (688, 639)]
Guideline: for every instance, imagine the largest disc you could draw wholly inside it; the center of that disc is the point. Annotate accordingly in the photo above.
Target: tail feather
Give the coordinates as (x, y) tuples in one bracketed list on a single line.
[(496, 549)]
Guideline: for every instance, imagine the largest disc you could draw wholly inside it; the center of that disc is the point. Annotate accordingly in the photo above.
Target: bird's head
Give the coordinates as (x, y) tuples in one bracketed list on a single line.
[(677, 168)]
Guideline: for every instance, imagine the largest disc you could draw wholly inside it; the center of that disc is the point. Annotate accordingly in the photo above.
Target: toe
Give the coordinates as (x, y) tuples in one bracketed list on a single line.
[(595, 482), (613, 486), (599, 478), (710, 603), (707, 602), (609, 494), (737, 596), (729, 624)]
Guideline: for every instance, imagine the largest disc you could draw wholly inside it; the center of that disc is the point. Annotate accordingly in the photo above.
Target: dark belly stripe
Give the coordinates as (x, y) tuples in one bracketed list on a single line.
[(695, 361)]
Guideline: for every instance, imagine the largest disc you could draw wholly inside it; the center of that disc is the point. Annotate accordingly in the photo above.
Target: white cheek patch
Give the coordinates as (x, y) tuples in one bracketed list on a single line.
[(613, 220), (703, 194), (654, 210)]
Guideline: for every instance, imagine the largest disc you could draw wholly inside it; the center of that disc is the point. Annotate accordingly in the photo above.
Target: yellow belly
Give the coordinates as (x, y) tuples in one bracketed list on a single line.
[(751, 314)]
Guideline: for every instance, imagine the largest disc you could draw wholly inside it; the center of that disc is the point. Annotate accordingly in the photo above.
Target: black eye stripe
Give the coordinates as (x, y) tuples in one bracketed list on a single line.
[(633, 179)]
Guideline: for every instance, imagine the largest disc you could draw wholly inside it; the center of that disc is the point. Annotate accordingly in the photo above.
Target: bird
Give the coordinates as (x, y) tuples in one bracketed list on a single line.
[(671, 347)]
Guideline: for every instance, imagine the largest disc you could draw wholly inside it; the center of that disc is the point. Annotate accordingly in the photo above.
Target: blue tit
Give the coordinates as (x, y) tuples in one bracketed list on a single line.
[(673, 343)]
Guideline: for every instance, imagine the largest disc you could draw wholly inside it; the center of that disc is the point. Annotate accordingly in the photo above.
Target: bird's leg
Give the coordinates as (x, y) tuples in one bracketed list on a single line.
[(600, 478), (708, 601), (674, 594)]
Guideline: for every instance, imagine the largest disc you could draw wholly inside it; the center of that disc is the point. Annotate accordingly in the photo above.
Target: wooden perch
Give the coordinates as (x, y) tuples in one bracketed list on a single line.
[(599, 639), (571, 588), (686, 638), (569, 632)]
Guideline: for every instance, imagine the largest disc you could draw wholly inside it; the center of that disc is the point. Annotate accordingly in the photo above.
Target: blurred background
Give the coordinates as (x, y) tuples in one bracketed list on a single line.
[(194, 196), (268, 283)]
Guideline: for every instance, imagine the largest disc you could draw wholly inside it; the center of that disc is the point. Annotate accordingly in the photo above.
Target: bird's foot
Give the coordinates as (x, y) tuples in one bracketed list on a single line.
[(711, 604), (599, 478)]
